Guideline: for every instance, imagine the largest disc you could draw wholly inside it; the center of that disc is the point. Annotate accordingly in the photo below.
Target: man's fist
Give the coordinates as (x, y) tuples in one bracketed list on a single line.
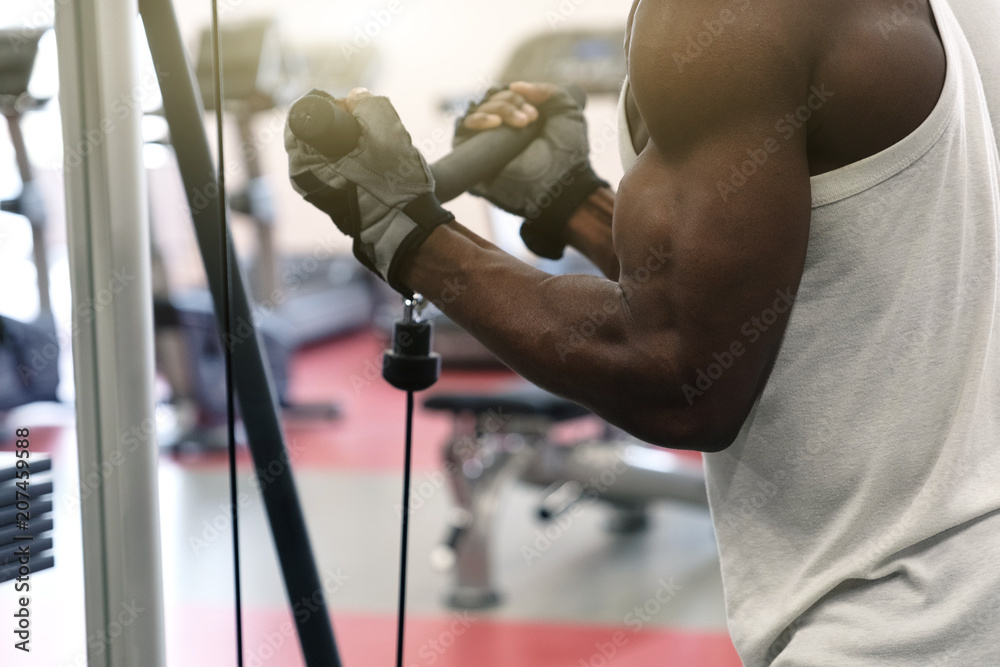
[(381, 194), (549, 180)]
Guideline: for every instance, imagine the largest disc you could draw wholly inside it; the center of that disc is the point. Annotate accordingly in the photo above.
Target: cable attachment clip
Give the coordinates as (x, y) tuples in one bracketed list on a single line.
[(410, 365)]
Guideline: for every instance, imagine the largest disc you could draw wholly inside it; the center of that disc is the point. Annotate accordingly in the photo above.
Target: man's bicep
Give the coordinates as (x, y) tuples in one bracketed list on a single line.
[(711, 224), (714, 263), (720, 192)]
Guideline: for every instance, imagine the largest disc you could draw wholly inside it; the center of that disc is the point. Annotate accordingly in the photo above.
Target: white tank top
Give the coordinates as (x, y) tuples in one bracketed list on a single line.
[(847, 510)]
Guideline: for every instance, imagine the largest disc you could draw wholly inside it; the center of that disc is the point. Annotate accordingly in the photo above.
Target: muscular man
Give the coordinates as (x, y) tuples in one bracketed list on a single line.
[(801, 281)]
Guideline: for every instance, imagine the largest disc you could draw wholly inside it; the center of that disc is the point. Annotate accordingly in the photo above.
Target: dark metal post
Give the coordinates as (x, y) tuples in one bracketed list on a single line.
[(183, 108)]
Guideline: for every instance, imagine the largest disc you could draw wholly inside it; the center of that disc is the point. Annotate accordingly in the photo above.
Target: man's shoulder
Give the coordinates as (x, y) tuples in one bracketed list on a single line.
[(693, 64), (692, 60), (696, 32)]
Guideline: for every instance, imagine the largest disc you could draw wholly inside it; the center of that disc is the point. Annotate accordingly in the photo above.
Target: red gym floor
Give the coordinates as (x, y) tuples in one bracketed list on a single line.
[(580, 604)]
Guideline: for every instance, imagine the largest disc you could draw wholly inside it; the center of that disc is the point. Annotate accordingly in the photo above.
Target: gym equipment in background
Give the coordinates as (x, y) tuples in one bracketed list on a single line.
[(252, 384), (320, 297), (194, 364), (29, 369), (591, 59), (25, 515), (339, 68), (409, 369), (306, 298), (504, 437), (29, 351)]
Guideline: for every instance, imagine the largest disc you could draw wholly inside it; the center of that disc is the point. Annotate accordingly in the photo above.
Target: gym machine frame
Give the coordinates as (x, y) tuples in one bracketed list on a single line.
[(409, 369), (99, 204), (108, 228)]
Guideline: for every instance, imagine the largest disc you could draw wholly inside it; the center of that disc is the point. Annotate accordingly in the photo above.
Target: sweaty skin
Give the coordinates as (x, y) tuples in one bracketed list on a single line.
[(690, 261)]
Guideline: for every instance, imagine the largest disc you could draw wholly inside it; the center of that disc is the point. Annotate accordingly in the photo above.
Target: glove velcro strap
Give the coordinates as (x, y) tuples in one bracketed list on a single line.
[(426, 212), (341, 206), (544, 228), (335, 203)]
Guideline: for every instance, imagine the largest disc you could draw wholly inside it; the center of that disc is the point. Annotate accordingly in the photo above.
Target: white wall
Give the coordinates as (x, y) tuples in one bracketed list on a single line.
[(430, 50)]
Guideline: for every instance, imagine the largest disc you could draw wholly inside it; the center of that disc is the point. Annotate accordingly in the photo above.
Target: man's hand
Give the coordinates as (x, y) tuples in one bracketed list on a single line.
[(549, 181), (517, 106), (381, 194)]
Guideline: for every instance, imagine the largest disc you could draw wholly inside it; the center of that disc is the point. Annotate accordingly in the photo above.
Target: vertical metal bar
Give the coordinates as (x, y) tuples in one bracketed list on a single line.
[(37, 214), (254, 389), (265, 277), (226, 317), (108, 236)]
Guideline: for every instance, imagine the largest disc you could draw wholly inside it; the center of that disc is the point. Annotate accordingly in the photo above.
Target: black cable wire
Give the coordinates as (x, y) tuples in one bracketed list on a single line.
[(401, 622), (227, 326)]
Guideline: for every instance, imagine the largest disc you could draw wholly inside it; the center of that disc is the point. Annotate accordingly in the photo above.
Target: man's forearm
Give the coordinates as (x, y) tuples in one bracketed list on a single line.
[(589, 231), (574, 335)]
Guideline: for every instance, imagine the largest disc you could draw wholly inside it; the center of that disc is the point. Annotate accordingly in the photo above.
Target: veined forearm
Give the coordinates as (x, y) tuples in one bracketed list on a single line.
[(572, 334)]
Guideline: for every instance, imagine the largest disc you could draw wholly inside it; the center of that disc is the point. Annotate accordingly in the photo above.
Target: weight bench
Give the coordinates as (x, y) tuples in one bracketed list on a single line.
[(502, 437)]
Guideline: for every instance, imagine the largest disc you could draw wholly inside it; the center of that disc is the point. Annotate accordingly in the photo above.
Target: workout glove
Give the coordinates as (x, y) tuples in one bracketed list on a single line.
[(549, 180), (381, 194)]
